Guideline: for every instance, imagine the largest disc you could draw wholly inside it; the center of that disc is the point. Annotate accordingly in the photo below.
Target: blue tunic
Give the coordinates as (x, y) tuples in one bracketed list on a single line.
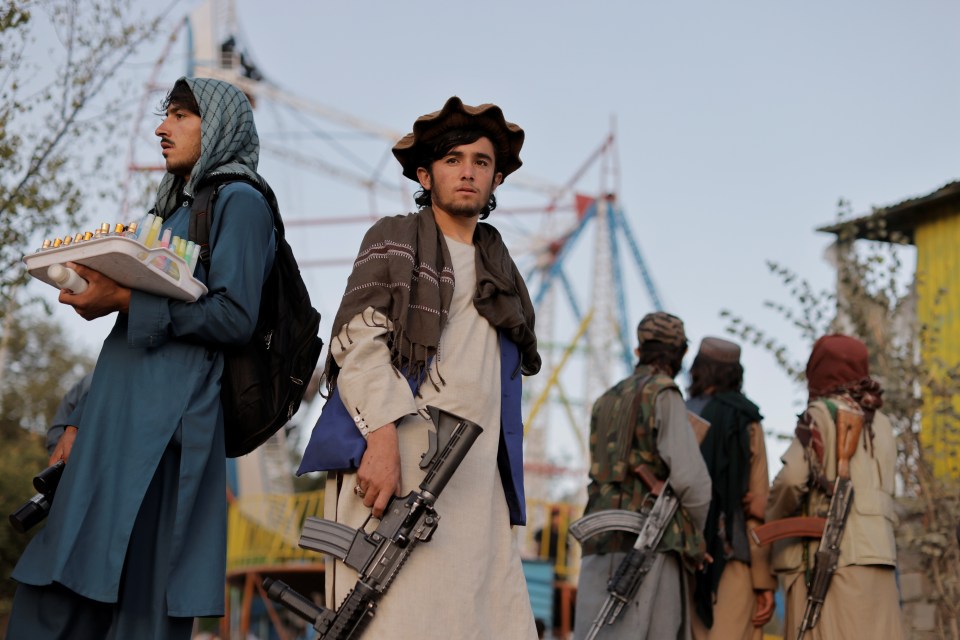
[(156, 394)]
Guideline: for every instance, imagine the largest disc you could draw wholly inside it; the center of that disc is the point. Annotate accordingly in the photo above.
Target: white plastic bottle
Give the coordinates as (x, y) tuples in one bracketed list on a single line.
[(66, 278)]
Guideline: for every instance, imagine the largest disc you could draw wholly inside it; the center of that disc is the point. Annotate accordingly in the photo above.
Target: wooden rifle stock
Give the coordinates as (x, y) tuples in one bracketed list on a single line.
[(799, 527), (653, 483), (849, 426)]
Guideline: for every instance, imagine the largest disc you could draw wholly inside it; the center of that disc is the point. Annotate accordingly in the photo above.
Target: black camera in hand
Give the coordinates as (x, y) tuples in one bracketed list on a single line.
[(36, 508)]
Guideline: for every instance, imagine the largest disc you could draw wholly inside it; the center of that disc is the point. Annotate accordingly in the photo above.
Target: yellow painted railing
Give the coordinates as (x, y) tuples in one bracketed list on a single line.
[(542, 516), (554, 379), (263, 530)]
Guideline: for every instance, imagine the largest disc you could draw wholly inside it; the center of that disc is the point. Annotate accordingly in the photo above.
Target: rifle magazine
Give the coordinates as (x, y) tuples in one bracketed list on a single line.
[(327, 537), (605, 521)]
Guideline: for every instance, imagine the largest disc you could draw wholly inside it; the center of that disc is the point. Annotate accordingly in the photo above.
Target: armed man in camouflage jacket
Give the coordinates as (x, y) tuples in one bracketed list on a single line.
[(642, 420)]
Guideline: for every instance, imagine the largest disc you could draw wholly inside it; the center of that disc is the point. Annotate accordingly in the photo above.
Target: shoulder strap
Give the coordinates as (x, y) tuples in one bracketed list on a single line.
[(201, 214), (832, 408), (636, 406), (811, 439), (201, 211)]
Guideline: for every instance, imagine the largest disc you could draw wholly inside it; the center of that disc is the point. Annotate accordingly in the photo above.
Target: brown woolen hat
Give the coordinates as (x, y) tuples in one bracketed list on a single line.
[(660, 326), (719, 350), (412, 150)]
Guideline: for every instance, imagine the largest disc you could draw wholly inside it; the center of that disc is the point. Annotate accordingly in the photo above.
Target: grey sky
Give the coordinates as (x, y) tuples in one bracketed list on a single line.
[(739, 124)]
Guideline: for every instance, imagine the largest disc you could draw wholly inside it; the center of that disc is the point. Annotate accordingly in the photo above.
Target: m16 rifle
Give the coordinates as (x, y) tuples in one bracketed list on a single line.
[(849, 425), (378, 555), (649, 527)]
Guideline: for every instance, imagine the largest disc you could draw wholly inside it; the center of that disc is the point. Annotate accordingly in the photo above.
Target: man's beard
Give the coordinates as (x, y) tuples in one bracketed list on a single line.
[(459, 209), (463, 211)]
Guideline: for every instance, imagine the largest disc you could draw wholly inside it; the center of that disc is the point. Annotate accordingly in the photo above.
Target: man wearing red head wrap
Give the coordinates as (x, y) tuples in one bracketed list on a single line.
[(862, 600)]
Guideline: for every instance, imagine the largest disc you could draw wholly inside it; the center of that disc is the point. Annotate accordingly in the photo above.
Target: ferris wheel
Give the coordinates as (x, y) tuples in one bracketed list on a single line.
[(586, 268), (573, 241)]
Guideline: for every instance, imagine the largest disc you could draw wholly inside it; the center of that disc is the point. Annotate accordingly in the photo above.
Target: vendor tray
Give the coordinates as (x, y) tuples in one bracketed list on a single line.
[(125, 261)]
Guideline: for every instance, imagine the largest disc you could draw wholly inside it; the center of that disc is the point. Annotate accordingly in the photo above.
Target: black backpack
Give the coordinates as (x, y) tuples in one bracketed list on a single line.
[(265, 380)]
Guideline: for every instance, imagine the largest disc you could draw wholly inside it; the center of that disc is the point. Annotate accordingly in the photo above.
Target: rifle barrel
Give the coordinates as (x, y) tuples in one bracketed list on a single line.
[(601, 619), (808, 619)]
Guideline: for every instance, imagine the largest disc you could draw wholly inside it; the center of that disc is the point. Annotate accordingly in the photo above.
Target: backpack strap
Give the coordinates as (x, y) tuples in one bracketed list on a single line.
[(201, 217), (201, 211)]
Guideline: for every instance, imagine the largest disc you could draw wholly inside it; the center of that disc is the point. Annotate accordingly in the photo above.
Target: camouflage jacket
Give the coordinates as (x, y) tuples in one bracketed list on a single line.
[(622, 437)]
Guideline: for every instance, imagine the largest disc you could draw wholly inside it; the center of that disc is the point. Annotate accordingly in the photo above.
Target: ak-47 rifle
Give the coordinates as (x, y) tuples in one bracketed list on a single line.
[(378, 555), (849, 425), (649, 527)]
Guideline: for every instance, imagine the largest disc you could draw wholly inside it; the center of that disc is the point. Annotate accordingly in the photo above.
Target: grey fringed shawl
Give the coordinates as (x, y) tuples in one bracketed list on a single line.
[(404, 270)]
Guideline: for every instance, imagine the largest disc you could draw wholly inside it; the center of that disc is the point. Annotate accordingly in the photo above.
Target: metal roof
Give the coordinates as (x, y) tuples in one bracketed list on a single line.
[(901, 218)]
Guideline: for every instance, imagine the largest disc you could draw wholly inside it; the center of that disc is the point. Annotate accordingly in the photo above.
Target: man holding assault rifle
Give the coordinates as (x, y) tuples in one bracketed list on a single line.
[(636, 572), (435, 314), (836, 488)]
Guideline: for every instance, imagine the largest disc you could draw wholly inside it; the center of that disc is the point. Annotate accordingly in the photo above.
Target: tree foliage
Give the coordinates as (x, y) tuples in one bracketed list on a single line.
[(41, 365), (875, 300), (60, 65), (62, 70)]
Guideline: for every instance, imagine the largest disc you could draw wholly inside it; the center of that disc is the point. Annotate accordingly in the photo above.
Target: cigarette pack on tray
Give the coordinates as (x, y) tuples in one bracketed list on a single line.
[(128, 262)]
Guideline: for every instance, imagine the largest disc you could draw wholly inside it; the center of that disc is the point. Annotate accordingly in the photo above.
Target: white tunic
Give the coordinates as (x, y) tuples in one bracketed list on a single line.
[(467, 582)]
